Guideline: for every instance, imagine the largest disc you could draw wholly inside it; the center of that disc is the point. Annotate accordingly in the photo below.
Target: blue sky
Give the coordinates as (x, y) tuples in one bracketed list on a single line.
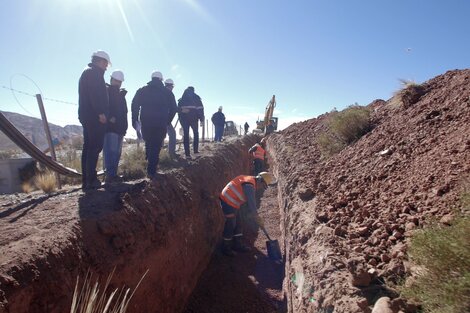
[(313, 55)]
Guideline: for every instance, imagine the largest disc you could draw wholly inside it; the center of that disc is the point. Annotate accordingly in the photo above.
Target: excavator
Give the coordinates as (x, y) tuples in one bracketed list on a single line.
[(269, 124)]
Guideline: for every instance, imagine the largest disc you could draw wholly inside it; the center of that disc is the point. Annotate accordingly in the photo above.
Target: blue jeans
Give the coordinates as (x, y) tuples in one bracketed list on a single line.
[(171, 139), (219, 132), (112, 149)]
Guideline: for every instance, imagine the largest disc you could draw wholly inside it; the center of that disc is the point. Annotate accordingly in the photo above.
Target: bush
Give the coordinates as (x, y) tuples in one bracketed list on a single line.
[(70, 158), (46, 182), (350, 124), (345, 127), (443, 253), (329, 145), (133, 163)]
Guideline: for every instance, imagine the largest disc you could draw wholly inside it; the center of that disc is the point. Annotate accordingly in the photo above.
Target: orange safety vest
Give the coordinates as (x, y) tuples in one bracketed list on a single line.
[(259, 152), (233, 193)]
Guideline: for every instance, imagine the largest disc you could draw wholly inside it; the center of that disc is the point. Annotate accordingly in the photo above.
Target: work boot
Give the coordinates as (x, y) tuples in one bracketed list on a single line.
[(227, 248), (239, 246)]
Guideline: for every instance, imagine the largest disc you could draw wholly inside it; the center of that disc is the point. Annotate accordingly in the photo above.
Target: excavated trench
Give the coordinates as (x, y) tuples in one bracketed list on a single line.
[(172, 228)]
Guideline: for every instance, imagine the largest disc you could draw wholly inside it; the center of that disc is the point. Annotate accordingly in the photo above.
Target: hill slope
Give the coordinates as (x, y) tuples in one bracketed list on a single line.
[(347, 218), (32, 128)]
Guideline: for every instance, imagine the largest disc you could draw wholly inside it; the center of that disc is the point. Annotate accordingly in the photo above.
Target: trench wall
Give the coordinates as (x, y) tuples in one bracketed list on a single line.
[(170, 228)]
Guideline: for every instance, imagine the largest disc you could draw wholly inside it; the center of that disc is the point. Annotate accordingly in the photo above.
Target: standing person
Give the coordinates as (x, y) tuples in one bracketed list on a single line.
[(259, 154), (246, 127), (170, 129), (154, 106), (190, 110), (92, 111), (238, 192), (116, 126), (218, 119)]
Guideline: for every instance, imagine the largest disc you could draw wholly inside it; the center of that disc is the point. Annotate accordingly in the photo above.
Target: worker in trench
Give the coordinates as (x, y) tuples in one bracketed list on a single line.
[(259, 155), (238, 192)]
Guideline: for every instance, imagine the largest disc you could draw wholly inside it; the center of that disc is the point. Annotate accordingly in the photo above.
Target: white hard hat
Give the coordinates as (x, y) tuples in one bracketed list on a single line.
[(220, 108), (118, 75), (157, 74), (169, 81), (103, 55)]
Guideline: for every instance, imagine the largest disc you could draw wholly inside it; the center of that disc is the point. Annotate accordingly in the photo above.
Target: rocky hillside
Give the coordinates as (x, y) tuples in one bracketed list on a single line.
[(33, 129), (347, 218)]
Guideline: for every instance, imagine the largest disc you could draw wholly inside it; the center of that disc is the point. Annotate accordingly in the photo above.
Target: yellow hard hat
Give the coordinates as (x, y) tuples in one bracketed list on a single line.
[(267, 177)]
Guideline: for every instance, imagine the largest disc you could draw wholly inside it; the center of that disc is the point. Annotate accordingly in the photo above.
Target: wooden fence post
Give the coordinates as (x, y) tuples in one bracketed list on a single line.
[(48, 135)]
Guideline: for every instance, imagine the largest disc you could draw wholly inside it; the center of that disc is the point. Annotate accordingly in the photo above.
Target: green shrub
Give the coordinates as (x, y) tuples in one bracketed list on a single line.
[(70, 158), (329, 145), (345, 127), (443, 253), (133, 164), (350, 124)]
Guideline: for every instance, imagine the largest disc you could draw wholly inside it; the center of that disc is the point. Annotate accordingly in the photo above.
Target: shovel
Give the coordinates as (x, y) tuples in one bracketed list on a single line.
[(274, 251)]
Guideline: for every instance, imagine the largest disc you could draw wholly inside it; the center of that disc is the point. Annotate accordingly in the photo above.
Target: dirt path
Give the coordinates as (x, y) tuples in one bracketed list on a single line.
[(249, 282)]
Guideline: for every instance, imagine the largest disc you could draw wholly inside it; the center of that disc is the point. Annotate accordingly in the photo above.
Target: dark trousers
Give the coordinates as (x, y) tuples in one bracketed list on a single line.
[(93, 139), (259, 166), (219, 132), (153, 137), (195, 127), (233, 223)]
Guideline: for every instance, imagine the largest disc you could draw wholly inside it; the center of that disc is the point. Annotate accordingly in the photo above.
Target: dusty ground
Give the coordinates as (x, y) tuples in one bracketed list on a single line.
[(249, 282)]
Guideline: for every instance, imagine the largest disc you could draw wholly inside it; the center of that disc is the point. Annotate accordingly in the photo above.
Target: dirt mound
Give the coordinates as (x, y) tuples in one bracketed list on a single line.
[(347, 218)]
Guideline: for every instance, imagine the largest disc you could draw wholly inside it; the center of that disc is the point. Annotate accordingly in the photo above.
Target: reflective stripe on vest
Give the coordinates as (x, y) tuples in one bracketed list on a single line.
[(259, 153), (233, 194)]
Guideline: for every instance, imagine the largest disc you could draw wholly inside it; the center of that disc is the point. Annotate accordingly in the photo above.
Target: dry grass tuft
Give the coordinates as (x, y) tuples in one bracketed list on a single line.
[(27, 187), (46, 182), (408, 94), (90, 299)]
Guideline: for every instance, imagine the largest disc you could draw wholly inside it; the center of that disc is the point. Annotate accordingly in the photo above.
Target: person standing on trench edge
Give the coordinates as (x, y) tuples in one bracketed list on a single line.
[(190, 110), (93, 108), (155, 106), (116, 127), (170, 129), (238, 192)]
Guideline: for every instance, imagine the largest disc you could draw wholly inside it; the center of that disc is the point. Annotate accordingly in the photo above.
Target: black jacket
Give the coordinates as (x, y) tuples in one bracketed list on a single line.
[(155, 103), (117, 110), (92, 95), (218, 119), (190, 106)]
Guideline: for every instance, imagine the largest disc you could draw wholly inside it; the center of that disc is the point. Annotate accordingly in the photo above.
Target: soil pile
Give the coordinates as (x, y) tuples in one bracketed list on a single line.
[(347, 218)]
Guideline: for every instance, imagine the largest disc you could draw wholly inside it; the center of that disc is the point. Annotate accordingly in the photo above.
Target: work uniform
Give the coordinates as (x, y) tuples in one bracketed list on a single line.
[(155, 105), (258, 154), (92, 102), (190, 110), (218, 119), (116, 128), (238, 192)]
